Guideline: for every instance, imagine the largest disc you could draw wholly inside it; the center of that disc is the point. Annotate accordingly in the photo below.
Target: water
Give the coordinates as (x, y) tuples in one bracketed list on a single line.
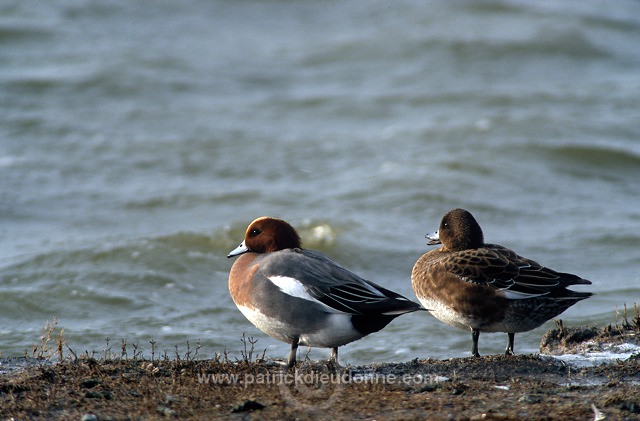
[(139, 139)]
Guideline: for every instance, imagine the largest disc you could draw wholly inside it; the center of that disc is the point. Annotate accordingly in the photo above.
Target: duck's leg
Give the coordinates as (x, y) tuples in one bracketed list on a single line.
[(475, 334), (292, 353), (333, 358), (509, 350)]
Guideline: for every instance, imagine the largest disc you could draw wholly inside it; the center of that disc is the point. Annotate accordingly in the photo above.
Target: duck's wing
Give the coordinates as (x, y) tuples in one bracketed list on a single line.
[(324, 280), (501, 268)]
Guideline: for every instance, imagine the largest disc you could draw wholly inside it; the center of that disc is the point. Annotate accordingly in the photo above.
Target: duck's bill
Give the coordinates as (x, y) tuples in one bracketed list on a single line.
[(433, 237), (242, 248)]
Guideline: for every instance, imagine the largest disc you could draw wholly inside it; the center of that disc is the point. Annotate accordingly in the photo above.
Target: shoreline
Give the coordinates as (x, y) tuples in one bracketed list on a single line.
[(489, 387)]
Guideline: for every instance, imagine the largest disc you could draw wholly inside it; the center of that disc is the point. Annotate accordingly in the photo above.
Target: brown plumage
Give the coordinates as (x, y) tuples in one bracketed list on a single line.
[(487, 287)]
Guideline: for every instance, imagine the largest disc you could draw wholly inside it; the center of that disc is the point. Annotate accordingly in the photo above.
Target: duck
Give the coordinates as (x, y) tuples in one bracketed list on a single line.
[(303, 297), (469, 284)]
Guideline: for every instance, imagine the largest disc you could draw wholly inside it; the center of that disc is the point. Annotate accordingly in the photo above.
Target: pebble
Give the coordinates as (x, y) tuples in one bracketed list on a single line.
[(530, 398)]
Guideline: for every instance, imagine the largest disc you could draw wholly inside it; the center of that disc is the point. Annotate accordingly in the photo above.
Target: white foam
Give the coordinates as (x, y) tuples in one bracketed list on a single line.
[(607, 354)]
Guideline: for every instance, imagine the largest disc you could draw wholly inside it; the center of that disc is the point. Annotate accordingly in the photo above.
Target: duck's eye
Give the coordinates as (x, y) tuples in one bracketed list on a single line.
[(254, 232)]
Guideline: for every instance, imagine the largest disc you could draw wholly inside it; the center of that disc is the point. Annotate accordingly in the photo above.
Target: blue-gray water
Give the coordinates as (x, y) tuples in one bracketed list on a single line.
[(138, 140)]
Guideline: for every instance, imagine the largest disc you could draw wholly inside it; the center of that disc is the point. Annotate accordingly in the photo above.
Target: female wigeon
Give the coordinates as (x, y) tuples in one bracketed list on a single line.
[(302, 297), (486, 287)]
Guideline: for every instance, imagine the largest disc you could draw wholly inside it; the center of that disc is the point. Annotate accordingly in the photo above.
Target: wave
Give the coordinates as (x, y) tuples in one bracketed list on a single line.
[(152, 261), (13, 33), (597, 155), (569, 43)]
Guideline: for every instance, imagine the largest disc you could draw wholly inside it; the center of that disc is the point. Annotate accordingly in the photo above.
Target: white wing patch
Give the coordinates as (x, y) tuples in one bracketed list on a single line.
[(514, 295), (293, 287)]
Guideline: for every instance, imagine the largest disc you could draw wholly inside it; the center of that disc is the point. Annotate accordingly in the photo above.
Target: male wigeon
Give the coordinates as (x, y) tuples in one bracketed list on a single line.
[(486, 287), (302, 297)]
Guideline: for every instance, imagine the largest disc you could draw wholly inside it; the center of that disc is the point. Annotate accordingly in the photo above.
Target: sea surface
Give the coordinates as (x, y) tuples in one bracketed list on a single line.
[(138, 139)]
